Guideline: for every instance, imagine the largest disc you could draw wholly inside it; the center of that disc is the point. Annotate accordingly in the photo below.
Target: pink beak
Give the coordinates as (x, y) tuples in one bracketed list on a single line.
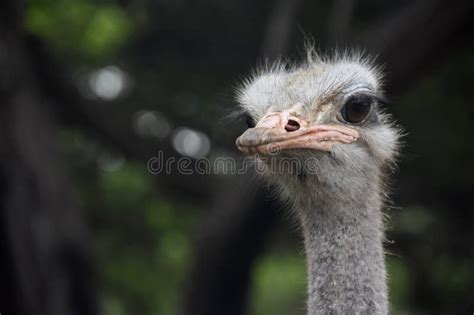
[(278, 131)]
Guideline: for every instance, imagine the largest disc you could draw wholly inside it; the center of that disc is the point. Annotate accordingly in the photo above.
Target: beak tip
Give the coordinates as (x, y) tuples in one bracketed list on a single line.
[(238, 144)]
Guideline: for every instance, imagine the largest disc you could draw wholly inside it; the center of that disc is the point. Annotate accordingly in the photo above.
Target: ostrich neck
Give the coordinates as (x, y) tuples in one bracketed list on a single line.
[(343, 242)]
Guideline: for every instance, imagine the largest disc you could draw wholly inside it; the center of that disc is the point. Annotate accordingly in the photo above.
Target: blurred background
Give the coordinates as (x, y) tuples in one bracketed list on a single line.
[(92, 90)]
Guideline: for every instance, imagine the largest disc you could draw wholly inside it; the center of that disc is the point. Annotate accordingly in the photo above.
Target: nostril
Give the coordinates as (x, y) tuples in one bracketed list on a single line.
[(292, 125)]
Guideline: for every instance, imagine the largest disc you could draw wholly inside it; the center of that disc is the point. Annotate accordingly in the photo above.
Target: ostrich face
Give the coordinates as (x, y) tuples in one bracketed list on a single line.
[(328, 110)]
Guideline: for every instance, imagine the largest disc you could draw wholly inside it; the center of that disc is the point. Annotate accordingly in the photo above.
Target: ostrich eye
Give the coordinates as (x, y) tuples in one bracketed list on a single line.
[(249, 120), (356, 108)]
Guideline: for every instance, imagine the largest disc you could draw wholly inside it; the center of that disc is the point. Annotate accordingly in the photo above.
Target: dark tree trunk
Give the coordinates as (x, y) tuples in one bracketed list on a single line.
[(45, 269), (231, 236)]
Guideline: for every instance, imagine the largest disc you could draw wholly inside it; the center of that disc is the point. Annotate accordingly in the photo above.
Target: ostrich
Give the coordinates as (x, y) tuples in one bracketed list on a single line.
[(327, 111)]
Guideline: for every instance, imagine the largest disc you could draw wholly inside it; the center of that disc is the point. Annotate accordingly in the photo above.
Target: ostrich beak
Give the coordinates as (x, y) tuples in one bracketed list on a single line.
[(279, 131)]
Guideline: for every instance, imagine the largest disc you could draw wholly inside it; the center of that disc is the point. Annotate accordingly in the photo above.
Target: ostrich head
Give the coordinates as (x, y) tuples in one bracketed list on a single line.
[(326, 114)]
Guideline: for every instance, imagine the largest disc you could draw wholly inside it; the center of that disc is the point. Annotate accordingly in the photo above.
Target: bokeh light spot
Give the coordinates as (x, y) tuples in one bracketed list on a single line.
[(191, 143), (151, 124), (107, 83)]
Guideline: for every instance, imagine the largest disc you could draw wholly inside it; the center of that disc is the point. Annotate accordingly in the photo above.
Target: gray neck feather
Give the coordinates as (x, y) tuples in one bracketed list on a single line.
[(343, 233)]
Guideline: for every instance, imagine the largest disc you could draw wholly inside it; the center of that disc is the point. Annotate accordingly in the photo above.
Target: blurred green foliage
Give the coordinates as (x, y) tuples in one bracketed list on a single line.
[(279, 283), (87, 28), (142, 239)]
